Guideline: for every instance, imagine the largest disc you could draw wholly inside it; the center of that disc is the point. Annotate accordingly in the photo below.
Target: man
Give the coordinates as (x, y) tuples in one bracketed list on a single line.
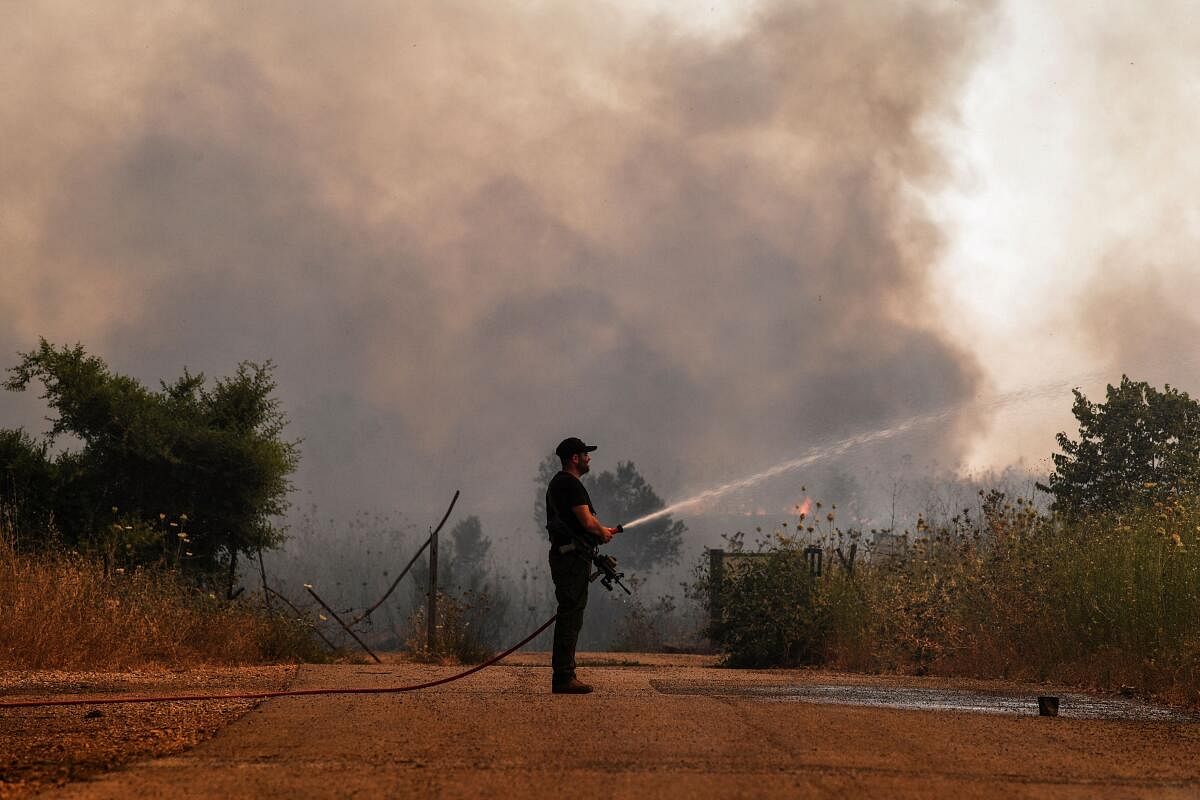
[(570, 516)]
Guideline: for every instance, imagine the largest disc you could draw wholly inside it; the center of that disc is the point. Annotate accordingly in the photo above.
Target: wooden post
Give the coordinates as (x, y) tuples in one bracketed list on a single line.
[(814, 555), (431, 619), (716, 573), (262, 571), (847, 563)]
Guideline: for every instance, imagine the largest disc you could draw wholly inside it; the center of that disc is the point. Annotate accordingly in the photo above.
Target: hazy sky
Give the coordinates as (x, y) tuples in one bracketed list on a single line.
[(1074, 227), (704, 237)]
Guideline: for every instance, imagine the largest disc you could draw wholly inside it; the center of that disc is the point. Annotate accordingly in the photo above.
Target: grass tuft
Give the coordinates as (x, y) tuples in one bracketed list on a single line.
[(60, 611)]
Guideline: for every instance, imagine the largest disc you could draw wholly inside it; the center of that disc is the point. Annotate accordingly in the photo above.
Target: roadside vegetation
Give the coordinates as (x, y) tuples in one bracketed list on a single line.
[(121, 529), (59, 610), (1102, 588), (121, 532)]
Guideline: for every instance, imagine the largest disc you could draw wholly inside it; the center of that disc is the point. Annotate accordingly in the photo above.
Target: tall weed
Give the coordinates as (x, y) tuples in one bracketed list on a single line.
[(61, 611), (1109, 601)]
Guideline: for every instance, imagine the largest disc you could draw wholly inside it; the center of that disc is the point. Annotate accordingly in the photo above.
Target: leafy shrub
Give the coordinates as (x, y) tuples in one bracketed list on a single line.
[(215, 453), (643, 628)]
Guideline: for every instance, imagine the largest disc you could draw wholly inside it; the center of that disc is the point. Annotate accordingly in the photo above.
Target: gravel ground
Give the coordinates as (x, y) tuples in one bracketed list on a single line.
[(657, 726), (42, 748)]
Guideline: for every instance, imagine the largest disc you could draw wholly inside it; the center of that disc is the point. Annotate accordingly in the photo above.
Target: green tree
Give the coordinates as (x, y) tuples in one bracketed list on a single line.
[(547, 469), (27, 487), (624, 496), (469, 550), (620, 497), (1135, 448), (212, 457)]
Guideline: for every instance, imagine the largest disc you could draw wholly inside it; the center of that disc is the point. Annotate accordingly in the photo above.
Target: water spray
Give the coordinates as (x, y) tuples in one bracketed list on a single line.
[(840, 446)]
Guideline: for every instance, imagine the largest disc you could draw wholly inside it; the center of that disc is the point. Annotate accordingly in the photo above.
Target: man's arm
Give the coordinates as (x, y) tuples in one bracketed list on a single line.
[(592, 525)]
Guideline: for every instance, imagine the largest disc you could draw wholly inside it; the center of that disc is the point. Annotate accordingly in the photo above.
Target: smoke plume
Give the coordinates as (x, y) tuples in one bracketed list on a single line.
[(465, 230)]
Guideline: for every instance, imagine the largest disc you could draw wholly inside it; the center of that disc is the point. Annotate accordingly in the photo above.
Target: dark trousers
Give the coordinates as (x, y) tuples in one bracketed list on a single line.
[(570, 574)]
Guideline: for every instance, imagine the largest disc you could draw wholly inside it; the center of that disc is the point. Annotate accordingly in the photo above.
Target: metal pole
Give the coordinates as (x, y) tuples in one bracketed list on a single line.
[(345, 627), (716, 573), (431, 620), (407, 567), (300, 615)]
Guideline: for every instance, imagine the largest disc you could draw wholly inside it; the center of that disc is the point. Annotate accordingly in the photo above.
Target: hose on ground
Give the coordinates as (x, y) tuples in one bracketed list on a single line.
[(96, 701)]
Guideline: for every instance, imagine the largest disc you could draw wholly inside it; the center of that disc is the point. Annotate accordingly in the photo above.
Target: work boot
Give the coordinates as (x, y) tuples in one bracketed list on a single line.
[(572, 686)]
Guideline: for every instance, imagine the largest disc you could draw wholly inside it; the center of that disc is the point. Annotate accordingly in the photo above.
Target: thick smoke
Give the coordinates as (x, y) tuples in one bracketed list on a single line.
[(1071, 257), (466, 230), (1141, 228)]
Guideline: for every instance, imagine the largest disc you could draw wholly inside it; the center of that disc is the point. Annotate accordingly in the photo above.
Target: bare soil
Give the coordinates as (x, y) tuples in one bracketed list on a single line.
[(657, 726), (42, 748)]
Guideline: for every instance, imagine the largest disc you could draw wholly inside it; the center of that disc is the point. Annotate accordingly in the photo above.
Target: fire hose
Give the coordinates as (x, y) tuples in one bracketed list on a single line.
[(605, 570), (95, 701)]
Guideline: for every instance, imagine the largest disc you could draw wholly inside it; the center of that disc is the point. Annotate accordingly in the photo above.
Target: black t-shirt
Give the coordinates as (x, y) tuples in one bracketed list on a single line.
[(564, 493)]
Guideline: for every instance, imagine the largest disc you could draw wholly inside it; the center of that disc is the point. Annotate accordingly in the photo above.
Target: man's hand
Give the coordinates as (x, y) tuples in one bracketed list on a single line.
[(592, 525)]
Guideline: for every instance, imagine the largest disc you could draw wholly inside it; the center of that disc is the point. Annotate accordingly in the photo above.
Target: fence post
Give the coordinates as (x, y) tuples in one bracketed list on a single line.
[(716, 573), (431, 619), (814, 555)]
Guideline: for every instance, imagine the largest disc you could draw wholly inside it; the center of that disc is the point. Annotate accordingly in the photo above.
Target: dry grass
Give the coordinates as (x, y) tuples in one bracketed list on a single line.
[(60, 611), (463, 631), (1111, 601)]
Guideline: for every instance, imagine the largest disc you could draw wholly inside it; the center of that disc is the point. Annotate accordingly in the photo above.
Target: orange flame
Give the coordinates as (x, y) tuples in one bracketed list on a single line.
[(804, 507)]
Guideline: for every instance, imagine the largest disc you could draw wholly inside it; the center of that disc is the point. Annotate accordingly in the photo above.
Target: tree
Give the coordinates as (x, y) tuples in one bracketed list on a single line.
[(27, 487), (623, 496), (212, 458), (547, 469), (469, 549), (1137, 447)]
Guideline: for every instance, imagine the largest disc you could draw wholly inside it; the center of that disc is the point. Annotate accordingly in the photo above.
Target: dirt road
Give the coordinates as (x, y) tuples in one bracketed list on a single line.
[(670, 727)]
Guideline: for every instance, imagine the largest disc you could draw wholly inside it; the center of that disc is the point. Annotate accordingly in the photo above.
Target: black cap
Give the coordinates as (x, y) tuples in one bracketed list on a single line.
[(572, 445)]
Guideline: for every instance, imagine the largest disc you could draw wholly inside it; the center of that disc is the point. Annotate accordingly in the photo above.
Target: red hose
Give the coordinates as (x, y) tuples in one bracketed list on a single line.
[(288, 693)]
